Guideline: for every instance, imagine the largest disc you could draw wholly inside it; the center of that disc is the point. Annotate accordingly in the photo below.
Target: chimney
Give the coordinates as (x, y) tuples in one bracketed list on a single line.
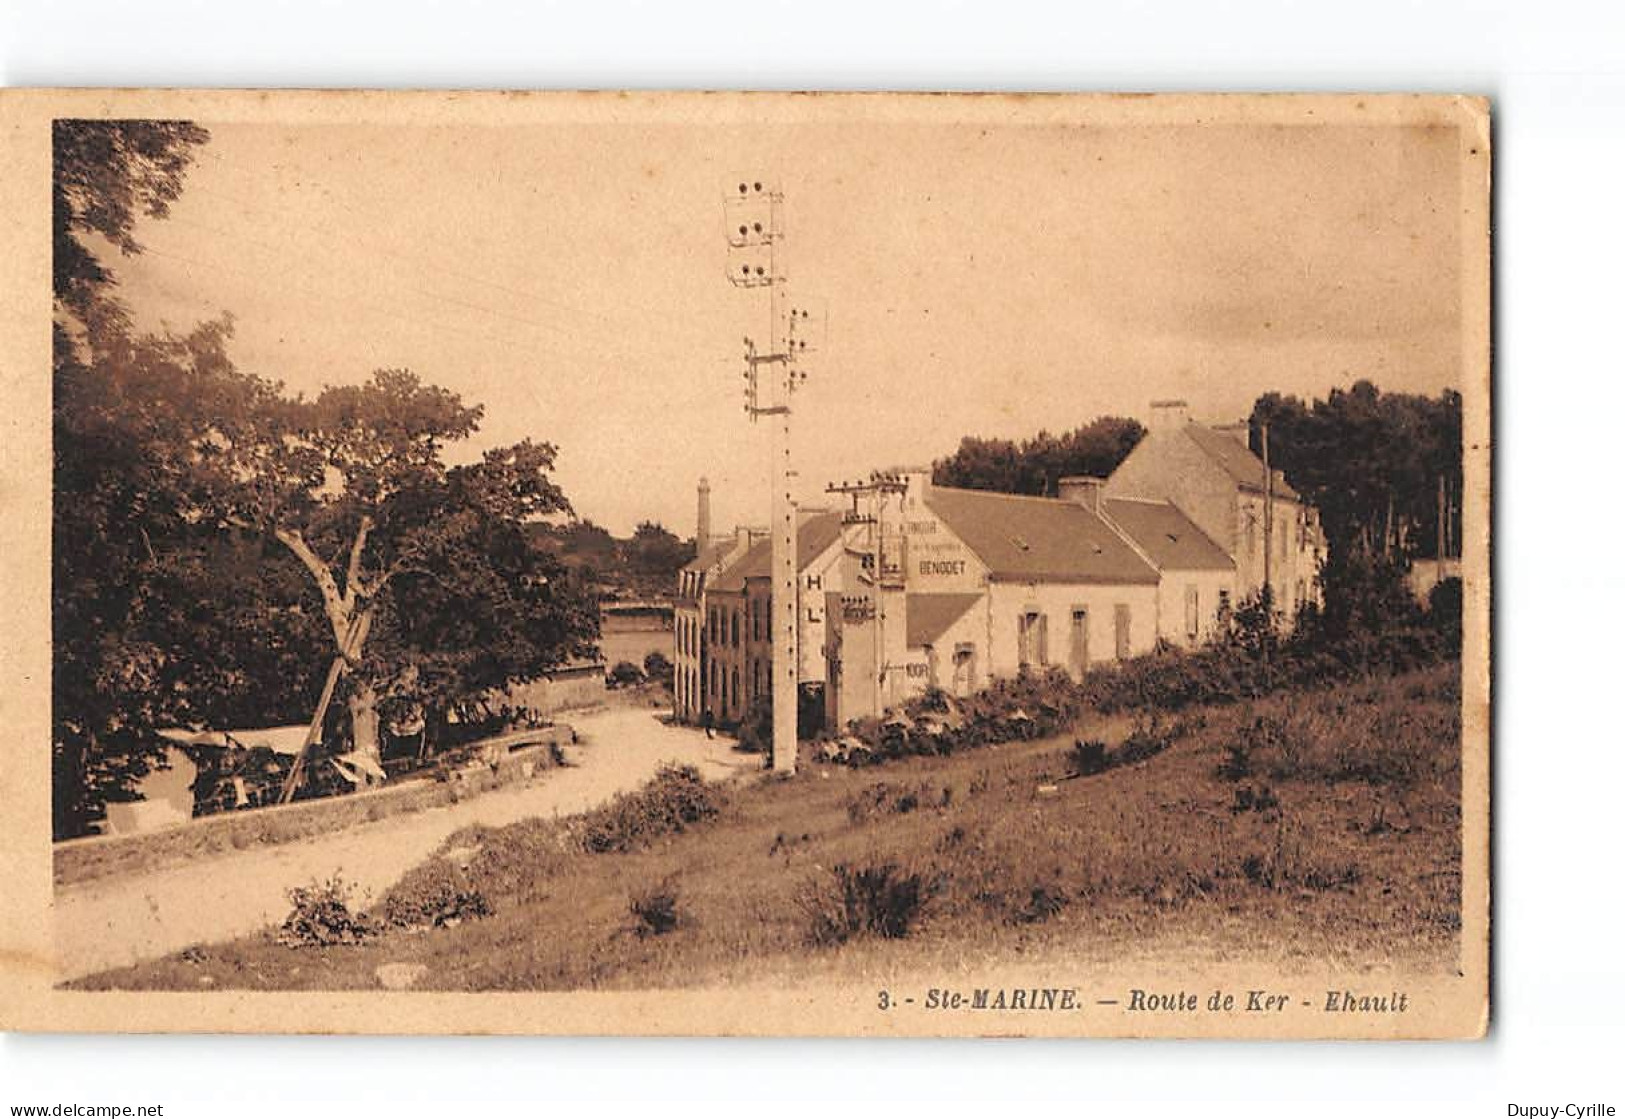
[(1169, 415), (918, 479), (702, 519), (1081, 489)]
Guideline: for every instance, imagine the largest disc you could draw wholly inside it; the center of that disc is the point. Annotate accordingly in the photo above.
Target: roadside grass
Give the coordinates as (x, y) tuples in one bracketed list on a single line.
[(1324, 822)]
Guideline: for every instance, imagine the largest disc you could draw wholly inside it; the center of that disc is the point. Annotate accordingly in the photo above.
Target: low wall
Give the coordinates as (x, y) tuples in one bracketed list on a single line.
[(509, 759)]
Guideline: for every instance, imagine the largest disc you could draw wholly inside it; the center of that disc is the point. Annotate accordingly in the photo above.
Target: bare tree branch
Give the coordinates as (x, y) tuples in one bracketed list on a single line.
[(338, 610), (352, 575)]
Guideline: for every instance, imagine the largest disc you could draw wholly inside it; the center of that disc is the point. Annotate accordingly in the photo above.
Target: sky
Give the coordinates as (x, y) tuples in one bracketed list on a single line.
[(977, 278)]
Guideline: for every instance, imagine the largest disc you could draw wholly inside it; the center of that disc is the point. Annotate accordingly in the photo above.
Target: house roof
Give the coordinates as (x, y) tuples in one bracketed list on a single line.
[(814, 535), (1236, 459), (1170, 538), (709, 553), (930, 615), (1038, 538)]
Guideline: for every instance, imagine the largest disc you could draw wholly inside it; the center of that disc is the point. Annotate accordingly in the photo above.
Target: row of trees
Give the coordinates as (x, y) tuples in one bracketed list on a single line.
[(643, 565), (1373, 463), (1034, 466), (222, 549)]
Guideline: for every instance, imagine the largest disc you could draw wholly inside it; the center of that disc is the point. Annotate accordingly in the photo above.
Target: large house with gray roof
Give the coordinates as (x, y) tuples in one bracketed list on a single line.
[(1213, 477)]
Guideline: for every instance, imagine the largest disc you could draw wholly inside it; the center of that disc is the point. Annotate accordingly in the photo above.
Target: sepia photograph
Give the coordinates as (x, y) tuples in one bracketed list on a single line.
[(726, 563)]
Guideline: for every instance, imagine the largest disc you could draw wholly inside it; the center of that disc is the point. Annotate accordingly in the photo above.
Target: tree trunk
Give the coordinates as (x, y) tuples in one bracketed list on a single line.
[(364, 722)]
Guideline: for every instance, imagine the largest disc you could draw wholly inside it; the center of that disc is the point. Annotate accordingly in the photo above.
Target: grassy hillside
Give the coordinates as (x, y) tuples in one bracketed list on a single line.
[(1324, 823)]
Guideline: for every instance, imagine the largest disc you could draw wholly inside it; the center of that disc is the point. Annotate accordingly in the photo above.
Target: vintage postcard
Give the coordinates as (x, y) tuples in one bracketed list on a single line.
[(746, 564)]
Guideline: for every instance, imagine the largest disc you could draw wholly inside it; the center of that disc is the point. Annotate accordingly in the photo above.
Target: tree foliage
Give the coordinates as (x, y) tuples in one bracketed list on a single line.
[(1034, 466), (106, 174), (217, 542), (1371, 463), (644, 564)]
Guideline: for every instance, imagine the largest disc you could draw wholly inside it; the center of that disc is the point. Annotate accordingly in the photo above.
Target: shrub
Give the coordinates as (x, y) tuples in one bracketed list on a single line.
[(321, 917), (1086, 758), (658, 668), (756, 728), (625, 674), (432, 895), (654, 909), (880, 900), (675, 800), (1248, 799), (883, 798), (1145, 741), (1043, 901)]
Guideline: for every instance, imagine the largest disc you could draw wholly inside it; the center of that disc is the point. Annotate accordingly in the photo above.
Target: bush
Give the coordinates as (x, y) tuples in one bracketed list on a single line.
[(654, 909), (1145, 741), (879, 900), (675, 800), (658, 668), (1042, 902), (625, 674), (882, 798), (433, 895), (756, 729), (1086, 758), (321, 917)]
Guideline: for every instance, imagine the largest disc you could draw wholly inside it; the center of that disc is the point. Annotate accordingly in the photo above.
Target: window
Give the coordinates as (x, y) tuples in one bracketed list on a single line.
[(1080, 640), (964, 669), (1032, 634), (735, 617), (1193, 612), (1120, 616)]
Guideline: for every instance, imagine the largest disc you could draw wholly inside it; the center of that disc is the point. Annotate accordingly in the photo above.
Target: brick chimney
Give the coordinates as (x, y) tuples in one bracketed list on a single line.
[(1082, 489), (918, 479), (1169, 415), (702, 519)]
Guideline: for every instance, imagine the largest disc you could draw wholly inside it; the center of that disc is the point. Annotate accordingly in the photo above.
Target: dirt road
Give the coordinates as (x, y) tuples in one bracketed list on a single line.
[(111, 922)]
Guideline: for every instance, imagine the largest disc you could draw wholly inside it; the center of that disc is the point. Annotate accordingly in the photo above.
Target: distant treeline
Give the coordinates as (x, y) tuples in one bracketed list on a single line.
[(643, 565)]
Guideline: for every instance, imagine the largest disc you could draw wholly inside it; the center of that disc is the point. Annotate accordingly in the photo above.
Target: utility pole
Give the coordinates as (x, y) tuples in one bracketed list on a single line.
[(754, 229), (1438, 543), (1269, 511)]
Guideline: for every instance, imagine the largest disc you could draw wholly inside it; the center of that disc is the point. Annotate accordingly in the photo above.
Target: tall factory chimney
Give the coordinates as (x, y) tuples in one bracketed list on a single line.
[(702, 519)]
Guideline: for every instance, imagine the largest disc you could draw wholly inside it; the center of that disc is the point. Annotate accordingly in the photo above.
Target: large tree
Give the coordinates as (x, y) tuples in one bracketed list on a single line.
[(116, 477), (1372, 463), (427, 579), (216, 543)]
